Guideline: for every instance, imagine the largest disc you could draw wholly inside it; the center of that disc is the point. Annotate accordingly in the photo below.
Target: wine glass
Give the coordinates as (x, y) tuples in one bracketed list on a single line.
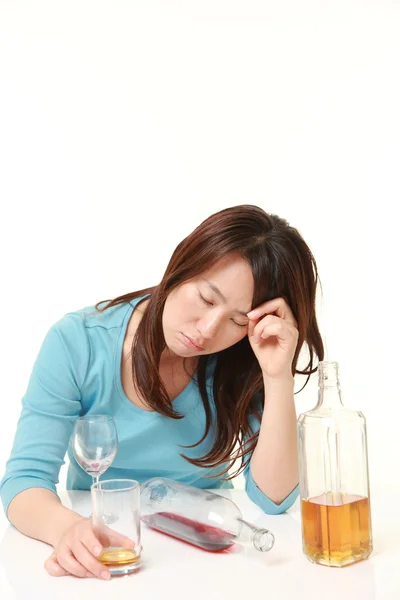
[(94, 443)]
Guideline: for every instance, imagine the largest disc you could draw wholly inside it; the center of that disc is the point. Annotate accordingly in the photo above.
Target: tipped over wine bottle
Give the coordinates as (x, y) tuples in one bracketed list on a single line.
[(198, 517)]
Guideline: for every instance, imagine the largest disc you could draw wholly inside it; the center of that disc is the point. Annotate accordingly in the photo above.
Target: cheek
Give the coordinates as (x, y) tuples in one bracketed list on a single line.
[(231, 337), (178, 307), (186, 305)]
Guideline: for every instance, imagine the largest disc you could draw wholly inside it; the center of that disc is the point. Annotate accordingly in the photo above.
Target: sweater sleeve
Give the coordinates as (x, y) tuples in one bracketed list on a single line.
[(257, 496), (50, 407)]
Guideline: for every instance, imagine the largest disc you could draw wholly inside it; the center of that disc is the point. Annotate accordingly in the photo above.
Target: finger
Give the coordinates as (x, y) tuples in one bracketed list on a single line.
[(91, 564), (278, 306), (276, 330), (109, 537), (93, 544), (250, 328), (53, 568), (102, 536), (68, 562), (268, 320)]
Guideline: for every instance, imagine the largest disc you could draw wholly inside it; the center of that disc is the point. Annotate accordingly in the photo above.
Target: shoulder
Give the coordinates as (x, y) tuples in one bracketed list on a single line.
[(72, 338), (78, 322)]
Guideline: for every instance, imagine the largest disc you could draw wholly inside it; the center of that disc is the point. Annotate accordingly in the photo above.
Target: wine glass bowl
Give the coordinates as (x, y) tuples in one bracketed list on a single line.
[(94, 443)]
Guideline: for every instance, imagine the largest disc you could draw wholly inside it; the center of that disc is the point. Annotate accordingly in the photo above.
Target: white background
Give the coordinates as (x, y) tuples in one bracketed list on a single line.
[(123, 124)]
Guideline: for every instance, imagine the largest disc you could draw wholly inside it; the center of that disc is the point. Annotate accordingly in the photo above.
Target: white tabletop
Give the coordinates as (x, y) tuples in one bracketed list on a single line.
[(174, 570)]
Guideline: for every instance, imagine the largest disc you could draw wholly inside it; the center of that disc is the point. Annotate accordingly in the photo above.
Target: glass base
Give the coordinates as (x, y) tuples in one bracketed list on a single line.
[(120, 561), (320, 559), (124, 569)]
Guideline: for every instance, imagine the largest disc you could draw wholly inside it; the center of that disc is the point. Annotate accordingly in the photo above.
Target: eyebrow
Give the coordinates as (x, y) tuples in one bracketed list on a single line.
[(220, 294)]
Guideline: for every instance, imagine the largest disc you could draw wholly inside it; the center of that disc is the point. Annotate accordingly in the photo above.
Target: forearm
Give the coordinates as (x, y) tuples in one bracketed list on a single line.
[(39, 514), (274, 462)]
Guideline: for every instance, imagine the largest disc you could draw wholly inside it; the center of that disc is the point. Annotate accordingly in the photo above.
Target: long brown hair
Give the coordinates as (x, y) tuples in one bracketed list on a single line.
[(282, 266)]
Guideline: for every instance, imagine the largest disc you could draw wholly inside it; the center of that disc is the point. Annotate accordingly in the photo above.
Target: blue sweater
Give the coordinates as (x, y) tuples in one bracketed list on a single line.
[(78, 371)]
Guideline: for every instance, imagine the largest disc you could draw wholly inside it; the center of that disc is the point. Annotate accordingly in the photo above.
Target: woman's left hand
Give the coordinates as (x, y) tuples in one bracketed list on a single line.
[(273, 336)]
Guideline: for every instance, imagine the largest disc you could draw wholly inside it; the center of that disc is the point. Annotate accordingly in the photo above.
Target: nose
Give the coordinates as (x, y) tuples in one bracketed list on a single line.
[(208, 326)]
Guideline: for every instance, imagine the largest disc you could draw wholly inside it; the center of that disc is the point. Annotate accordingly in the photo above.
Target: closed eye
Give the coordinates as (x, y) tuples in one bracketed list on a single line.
[(208, 303), (205, 301), (240, 324)]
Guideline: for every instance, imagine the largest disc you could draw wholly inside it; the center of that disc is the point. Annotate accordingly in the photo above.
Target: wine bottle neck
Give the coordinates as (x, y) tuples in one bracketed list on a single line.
[(329, 393), (262, 539), (329, 397)]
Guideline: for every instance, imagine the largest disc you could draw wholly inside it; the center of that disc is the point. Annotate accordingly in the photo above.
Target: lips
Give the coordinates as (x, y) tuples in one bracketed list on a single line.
[(193, 342)]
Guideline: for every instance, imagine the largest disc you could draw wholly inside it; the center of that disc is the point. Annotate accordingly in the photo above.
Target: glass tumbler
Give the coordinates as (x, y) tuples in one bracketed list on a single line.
[(121, 499)]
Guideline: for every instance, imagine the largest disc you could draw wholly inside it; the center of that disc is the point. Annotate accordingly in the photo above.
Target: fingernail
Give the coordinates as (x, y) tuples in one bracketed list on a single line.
[(97, 550), (105, 575)]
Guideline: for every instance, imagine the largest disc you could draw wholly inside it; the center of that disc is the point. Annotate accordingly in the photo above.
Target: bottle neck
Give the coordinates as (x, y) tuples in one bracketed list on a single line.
[(329, 393), (262, 539)]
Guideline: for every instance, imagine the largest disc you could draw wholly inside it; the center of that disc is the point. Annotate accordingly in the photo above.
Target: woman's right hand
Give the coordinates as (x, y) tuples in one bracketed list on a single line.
[(76, 551)]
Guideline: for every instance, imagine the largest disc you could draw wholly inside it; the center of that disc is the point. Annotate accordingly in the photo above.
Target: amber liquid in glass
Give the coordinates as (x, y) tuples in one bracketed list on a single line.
[(118, 557), (336, 529)]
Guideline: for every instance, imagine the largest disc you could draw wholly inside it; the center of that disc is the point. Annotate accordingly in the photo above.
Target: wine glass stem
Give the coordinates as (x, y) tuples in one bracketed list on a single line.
[(96, 478)]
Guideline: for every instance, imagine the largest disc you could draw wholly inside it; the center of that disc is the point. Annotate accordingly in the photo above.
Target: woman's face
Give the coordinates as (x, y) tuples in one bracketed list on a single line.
[(208, 314)]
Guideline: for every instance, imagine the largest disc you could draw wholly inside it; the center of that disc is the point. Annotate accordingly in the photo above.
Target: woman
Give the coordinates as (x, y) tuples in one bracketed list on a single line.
[(197, 372)]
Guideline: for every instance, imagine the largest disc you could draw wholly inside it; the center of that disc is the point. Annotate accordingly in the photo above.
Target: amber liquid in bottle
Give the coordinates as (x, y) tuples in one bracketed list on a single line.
[(117, 557), (336, 529)]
